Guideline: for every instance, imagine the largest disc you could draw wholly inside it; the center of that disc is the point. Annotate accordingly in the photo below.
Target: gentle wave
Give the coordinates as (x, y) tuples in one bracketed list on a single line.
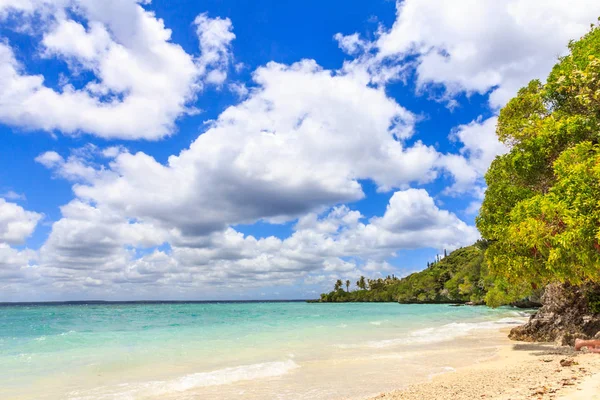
[(439, 334), (523, 313), (377, 323), (443, 370), (224, 376)]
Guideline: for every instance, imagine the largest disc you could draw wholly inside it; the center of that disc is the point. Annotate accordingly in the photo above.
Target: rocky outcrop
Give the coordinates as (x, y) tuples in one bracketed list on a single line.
[(566, 314), (528, 302)]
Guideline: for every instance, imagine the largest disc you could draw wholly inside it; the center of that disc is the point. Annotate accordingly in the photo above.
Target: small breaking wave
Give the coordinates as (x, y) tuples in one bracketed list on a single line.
[(378, 323), (441, 371), (437, 334), (224, 376), (525, 314)]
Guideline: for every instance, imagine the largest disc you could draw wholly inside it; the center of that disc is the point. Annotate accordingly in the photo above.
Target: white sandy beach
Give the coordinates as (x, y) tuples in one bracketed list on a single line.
[(517, 371)]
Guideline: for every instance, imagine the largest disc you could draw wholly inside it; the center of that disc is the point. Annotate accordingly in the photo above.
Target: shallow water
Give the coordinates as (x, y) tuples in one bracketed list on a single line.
[(277, 350)]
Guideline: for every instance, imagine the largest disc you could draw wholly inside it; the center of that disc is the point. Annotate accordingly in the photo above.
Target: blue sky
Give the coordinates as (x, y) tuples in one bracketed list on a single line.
[(235, 150)]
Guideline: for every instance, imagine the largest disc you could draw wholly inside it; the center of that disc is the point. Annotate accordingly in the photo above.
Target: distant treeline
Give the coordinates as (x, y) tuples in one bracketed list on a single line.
[(460, 277)]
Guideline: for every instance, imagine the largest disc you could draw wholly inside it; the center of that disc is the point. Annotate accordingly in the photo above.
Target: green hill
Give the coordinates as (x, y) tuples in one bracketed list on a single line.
[(460, 277)]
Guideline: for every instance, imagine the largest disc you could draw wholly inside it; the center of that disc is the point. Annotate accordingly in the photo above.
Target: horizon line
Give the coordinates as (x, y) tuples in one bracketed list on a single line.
[(93, 302)]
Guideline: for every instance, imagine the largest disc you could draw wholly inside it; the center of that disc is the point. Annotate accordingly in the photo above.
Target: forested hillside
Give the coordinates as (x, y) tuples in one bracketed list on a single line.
[(460, 277)]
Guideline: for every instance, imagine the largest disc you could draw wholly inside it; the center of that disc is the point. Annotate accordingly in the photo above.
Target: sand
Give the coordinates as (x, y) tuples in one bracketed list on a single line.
[(517, 371)]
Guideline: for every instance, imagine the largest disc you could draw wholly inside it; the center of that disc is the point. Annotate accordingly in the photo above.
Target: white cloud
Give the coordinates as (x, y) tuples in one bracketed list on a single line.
[(240, 89), (352, 44), (482, 45), (142, 81), (15, 268), (215, 36), (75, 168), (480, 146), (87, 237), (411, 221), (12, 195), (16, 224), (469, 46), (92, 250), (301, 141), (480, 143)]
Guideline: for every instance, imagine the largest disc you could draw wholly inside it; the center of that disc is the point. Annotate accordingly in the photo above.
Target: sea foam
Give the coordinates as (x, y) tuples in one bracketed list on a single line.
[(438, 334), (223, 376), (444, 333)]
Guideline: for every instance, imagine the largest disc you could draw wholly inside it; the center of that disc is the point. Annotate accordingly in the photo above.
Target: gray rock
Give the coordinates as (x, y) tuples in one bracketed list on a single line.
[(565, 316)]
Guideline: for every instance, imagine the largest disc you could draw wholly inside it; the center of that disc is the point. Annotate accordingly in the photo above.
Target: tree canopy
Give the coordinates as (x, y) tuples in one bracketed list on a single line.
[(541, 211), (460, 277)]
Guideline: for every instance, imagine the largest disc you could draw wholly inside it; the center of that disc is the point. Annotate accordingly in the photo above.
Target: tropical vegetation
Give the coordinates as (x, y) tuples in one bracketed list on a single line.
[(541, 212), (460, 277), (540, 218)]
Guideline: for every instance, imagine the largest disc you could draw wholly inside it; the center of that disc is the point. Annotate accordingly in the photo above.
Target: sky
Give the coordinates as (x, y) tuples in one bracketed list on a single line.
[(185, 150)]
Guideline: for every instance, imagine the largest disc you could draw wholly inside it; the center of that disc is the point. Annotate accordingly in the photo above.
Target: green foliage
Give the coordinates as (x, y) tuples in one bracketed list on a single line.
[(460, 277), (541, 212), (338, 285), (361, 283)]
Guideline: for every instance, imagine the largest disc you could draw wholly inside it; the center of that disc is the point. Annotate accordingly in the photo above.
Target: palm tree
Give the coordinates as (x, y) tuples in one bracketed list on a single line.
[(347, 285), (361, 283), (338, 285)]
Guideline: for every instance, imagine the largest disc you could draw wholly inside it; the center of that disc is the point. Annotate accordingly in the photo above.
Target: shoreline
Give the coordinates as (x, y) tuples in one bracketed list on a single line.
[(518, 370)]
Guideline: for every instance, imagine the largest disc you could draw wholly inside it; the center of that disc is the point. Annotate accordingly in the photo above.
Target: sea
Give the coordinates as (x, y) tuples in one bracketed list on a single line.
[(238, 350)]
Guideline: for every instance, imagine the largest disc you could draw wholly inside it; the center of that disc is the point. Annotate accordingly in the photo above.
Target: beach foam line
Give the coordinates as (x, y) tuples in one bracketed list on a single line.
[(438, 334), (445, 332), (230, 375), (377, 323), (223, 376), (441, 371)]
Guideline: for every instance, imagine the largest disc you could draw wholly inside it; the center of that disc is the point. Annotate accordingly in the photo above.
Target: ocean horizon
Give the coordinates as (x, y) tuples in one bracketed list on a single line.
[(222, 349), (111, 302)]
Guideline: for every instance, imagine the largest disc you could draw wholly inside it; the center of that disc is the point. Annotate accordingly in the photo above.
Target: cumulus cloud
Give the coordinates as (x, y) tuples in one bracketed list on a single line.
[(142, 82), (87, 237), (15, 266), (479, 147), (215, 36), (295, 148), (16, 223), (478, 46), (91, 250), (486, 47), (301, 141)]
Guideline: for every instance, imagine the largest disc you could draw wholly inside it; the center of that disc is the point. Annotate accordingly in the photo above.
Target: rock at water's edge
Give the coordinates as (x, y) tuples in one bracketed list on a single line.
[(564, 317)]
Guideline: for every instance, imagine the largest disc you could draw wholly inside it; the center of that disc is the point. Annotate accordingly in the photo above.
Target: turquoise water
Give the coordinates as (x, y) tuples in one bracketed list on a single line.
[(104, 351)]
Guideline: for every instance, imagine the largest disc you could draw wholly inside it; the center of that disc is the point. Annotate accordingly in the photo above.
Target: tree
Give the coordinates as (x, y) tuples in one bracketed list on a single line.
[(541, 213), (361, 283), (338, 285), (347, 285)]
